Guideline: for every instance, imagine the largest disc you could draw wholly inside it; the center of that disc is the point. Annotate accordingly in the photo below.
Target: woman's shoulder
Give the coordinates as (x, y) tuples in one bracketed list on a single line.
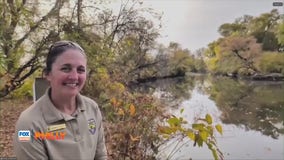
[(30, 116), (89, 102), (90, 106)]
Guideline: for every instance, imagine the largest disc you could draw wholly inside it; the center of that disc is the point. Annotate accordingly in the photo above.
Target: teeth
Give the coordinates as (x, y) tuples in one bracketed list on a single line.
[(71, 84)]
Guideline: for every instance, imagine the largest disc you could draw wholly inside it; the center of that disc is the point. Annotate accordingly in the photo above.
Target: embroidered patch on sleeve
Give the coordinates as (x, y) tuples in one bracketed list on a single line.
[(92, 126)]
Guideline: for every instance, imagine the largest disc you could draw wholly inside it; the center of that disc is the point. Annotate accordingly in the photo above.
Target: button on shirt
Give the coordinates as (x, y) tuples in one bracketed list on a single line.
[(82, 132)]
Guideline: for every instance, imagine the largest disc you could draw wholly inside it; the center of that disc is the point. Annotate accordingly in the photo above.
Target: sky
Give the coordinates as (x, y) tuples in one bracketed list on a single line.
[(194, 23)]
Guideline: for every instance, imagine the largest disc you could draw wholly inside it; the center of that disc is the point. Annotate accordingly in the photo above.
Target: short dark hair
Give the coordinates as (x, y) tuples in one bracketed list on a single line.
[(57, 49)]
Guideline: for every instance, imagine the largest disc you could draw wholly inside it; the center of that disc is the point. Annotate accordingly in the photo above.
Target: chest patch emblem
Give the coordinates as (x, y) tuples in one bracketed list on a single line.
[(92, 126)]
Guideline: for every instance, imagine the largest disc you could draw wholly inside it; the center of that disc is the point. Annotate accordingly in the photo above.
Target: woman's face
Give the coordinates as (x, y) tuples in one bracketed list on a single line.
[(68, 74)]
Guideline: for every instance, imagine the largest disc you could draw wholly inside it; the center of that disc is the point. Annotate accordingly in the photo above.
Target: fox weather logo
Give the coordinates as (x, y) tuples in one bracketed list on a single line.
[(24, 135)]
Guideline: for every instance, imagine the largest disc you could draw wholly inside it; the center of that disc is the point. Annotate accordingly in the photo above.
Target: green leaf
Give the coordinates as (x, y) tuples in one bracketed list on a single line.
[(198, 126), (208, 119), (191, 135), (203, 135), (165, 130), (219, 128), (181, 111), (210, 146), (214, 152), (200, 142), (210, 130), (174, 122)]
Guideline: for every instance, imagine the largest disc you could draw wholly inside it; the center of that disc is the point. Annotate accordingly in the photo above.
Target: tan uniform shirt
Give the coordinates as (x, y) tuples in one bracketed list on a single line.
[(82, 132)]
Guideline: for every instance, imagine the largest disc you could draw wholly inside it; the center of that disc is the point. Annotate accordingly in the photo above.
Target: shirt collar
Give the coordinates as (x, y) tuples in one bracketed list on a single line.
[(51, 114)]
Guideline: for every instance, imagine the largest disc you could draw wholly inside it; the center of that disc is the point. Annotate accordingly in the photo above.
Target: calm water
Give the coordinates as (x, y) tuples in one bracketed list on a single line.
[(251, 114)]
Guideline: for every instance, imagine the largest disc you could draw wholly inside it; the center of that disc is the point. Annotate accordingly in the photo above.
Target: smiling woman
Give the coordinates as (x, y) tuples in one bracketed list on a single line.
[(62, 105), (66, 72)]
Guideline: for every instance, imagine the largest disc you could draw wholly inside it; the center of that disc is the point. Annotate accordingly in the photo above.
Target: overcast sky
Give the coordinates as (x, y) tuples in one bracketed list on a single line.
[(194, 23)]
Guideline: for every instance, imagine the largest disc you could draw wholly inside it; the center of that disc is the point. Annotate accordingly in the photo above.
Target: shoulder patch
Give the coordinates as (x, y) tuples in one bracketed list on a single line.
[(92, 125)]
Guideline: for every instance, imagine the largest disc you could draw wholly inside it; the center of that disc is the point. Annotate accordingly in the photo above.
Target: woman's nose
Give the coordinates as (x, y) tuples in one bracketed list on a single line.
[(73, 75)]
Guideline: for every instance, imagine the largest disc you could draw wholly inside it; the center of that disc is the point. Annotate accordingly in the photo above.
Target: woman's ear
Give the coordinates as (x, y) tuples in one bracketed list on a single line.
[(47, 77), (46, 74)]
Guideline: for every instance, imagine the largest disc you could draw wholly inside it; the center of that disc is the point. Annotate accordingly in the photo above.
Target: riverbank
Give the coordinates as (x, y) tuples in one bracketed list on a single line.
[(255, 77), (268, 77), (260, 77)]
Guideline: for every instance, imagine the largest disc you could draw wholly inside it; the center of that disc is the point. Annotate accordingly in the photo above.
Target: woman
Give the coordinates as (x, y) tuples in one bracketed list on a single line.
[(62, 124)]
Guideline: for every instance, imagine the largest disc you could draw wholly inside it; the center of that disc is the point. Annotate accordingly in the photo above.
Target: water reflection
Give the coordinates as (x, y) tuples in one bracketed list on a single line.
[(255, 105), (251, 113), (170, 90)]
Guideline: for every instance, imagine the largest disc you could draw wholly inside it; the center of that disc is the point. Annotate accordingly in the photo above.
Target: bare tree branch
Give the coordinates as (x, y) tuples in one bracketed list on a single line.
[(30, 66), (58, 5)]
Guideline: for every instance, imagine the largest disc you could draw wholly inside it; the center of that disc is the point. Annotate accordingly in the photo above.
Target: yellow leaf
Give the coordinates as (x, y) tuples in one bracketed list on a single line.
[(165, 130), (191, 135), (113, 102), (134, 138), (132, 110), (203, 135), (219, 128), (208, 119), (120, 112)]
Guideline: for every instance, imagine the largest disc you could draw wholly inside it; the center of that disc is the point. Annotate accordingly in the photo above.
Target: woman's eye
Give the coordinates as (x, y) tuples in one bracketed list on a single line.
[(65, 69), (81, 70)]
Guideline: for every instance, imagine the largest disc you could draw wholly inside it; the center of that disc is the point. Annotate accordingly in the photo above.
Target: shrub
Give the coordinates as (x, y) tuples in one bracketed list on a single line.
[(25, 91), (271, 62)]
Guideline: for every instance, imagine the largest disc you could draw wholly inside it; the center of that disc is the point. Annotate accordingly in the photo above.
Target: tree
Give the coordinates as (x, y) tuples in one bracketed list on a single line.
[(263, 28), (280, 34), (239, 51), (24, 34), (181, 62), (39, 31), (271, 62), (245, 48)]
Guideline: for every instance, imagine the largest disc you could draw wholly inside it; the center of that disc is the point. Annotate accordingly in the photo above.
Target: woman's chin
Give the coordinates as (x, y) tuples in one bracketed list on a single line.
[(70, 92)]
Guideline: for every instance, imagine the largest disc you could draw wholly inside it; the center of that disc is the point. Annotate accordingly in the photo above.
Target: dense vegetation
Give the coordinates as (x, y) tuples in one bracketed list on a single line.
[(122, 51), (254, 45)]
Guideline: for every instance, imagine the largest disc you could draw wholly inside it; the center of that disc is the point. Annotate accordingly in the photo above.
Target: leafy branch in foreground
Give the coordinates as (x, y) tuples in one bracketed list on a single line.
[(201, 132)]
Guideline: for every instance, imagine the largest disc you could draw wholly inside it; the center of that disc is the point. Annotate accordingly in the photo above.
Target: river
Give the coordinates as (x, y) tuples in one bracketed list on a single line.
[(250, 112)]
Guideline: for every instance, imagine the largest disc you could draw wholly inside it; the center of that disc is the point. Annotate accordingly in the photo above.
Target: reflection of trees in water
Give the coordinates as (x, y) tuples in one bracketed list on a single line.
[(256, 106), (170, 90)]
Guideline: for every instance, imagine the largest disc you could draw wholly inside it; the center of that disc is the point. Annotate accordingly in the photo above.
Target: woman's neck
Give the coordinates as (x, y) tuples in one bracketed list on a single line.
[(64, 104)]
